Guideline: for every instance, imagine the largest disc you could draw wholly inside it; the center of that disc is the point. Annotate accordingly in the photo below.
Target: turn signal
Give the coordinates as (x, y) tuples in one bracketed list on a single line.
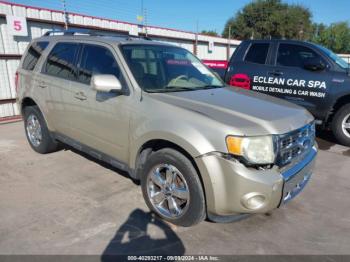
[(234, 145)]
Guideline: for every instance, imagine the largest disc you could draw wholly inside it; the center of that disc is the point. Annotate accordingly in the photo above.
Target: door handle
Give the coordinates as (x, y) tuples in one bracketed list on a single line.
[(80, 96), (276, 73), (42, 84)]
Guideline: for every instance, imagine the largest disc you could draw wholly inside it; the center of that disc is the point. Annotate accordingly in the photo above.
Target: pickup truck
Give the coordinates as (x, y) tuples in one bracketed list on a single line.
[(303, 73)]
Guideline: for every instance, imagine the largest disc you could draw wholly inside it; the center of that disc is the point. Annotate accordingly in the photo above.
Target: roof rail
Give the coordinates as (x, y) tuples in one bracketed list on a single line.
[(68, 32), (73, 32)]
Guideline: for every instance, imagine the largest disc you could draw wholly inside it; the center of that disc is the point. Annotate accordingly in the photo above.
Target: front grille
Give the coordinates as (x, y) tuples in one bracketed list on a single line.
[(295, 144)]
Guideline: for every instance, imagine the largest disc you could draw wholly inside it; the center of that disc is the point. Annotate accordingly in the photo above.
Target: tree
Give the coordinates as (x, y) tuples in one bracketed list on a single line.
[(209, 32), (335, 37), (270, 19)]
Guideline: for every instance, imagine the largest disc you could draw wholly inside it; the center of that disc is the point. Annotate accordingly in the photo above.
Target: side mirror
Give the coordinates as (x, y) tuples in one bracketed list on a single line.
[(314, 64), (106, 83)]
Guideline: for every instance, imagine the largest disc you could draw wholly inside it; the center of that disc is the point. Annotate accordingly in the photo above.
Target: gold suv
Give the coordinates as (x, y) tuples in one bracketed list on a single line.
[(200, 148)]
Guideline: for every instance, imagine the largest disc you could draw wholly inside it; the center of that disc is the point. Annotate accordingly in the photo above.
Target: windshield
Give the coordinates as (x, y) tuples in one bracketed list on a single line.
[(159, 68), (338, 60)]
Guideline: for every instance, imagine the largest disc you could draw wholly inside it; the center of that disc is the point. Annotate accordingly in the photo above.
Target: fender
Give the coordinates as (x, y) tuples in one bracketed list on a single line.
[(20, 105), (189, 137)]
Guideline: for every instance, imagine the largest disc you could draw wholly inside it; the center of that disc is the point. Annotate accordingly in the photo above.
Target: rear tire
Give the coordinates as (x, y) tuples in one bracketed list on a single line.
[(341, 125), (172, 189), (37, 133)]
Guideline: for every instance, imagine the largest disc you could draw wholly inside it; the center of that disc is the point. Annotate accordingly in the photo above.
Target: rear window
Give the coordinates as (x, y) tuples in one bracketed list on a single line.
[(61, 61), (33, 55), (257, 53)]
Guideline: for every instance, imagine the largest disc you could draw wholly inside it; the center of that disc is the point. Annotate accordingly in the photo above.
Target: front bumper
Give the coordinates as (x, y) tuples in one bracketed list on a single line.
[(233, 189)]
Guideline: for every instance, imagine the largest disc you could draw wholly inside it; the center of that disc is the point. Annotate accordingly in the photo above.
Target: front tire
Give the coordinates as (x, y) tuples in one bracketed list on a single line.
[(37, 133), (172, 189), (341, 125)]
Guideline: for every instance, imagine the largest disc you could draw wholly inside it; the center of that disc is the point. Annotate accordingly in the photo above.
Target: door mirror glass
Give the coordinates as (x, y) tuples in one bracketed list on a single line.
[(314, 64), (106, 83)]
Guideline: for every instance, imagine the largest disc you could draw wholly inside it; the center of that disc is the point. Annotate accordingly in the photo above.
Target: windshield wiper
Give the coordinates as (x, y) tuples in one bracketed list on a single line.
[(168, 89), (209, 87)]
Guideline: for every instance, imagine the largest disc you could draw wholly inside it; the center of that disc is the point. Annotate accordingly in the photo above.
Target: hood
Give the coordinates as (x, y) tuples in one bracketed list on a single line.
[(246, 112)]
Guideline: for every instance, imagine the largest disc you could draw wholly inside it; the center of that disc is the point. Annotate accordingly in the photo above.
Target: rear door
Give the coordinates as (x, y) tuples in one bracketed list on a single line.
[(296, 83), (28, 76), (58, 73), (252, 61)]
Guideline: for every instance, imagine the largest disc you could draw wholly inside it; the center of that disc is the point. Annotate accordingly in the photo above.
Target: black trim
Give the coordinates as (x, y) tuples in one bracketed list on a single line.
[(227, 218), (95, 153)]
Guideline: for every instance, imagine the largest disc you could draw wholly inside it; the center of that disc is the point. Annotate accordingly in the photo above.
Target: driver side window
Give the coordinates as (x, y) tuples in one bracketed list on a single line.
[(293, 55), (97, 60)]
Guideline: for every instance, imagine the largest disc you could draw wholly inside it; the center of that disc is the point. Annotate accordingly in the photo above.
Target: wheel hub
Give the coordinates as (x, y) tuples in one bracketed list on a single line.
[(168, 191), (33, 128), (346, 125)]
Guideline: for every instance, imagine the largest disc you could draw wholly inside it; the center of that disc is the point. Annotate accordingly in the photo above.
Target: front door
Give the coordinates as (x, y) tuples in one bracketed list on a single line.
[(297, 84), (101, 120)]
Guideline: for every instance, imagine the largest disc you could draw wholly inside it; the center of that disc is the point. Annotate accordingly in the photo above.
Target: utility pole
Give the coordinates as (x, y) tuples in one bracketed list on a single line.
[(196, 42), (65, 14), (142, 18), (145, 19), (229, 43)]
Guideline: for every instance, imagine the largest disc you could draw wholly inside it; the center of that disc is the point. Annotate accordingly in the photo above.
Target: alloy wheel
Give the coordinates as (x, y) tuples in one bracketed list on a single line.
[(34, 130), (168, 191)]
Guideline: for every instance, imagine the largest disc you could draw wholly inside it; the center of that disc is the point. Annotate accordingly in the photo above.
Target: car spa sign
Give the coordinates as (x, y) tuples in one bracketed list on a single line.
[(289, 86)]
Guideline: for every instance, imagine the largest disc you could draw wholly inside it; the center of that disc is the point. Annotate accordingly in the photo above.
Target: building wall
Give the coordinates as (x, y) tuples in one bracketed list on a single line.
[(40, 20)]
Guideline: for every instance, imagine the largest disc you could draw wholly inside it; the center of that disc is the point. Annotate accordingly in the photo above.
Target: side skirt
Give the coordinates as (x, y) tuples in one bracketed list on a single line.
[(95, 154)]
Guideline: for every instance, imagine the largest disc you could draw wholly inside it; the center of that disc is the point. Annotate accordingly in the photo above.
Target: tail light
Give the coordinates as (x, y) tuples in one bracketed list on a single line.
[(16, 81), (240, 80)]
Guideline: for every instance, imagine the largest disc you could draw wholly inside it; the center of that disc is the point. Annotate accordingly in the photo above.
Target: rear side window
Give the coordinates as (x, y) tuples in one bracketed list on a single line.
[(96, 60), (294, 55), (257, 53), (61, 61), (33, 55)]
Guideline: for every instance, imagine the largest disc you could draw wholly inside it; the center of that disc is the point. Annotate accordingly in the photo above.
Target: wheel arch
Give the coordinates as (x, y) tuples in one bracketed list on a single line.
[(28, 101), (339, 103), (154, 145)]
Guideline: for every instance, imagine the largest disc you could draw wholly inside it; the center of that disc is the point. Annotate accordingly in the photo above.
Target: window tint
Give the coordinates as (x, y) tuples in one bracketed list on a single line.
[(33, 55), (61, 61), (97, 60), (257, 53), (294, 55)]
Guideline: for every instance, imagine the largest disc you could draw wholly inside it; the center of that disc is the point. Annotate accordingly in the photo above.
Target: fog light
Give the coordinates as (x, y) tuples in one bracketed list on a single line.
[(253, 201)]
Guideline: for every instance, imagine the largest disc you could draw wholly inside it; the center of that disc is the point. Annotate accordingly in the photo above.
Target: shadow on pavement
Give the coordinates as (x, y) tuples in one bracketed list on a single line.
[(134, 238), (325, 139)]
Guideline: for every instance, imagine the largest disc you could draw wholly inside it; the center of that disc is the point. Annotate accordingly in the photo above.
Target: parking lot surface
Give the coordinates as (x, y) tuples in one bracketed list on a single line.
[(67, 203)]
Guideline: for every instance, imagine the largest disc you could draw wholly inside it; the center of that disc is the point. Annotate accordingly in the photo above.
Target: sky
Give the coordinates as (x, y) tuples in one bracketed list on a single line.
[(186, 14)]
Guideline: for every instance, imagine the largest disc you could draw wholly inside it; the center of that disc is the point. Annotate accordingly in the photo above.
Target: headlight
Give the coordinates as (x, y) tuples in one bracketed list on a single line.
[(255, 150)]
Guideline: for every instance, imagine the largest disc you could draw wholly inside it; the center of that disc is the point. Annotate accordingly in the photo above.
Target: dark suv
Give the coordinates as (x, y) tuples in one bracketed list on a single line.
[(304, 73)]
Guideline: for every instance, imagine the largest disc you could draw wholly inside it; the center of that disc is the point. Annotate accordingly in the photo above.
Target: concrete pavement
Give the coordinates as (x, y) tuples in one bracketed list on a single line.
[(65, 203)]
